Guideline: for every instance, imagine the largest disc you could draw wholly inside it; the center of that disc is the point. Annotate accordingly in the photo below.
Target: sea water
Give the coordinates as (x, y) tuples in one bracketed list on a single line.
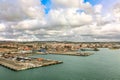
[(103, 65)]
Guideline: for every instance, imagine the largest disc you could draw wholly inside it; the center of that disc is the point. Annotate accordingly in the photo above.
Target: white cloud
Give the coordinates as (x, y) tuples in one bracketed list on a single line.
[(116, 11), (20, 10), (98, 8), (32, 8), (87, 7), (109, 29), (27, 38), (78, 4), (2, 27), (36, 32), (71, 20), (69, 17), (67, 3), (107, 32), (29, 24)]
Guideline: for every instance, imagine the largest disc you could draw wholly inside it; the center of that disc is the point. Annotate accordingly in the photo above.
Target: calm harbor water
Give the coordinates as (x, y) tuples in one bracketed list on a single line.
[(103, 65)]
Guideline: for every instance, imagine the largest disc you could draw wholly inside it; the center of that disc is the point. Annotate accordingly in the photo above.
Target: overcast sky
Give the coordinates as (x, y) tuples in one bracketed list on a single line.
[(60, 20)]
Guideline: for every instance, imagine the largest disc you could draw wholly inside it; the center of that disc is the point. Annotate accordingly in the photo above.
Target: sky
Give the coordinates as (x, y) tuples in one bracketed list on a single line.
[(60, 20)]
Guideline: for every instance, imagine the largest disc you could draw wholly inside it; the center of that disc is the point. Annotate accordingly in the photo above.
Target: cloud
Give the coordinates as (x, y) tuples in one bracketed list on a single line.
[(68, 17), (32, 8), (67, 20), (16, 10), (66, 3), (107, 32), (78, 4), (111, 29), (98, 8), (2, 27), (27, 38), (116, 11), (29, 24)]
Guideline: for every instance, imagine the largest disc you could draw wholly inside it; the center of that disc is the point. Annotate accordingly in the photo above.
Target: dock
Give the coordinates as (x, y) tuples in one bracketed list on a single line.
[(18, 66), (72, 53)]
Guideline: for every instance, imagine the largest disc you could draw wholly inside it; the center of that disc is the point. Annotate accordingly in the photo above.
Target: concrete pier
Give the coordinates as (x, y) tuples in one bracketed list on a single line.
[(72, 53), (17, 66)]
